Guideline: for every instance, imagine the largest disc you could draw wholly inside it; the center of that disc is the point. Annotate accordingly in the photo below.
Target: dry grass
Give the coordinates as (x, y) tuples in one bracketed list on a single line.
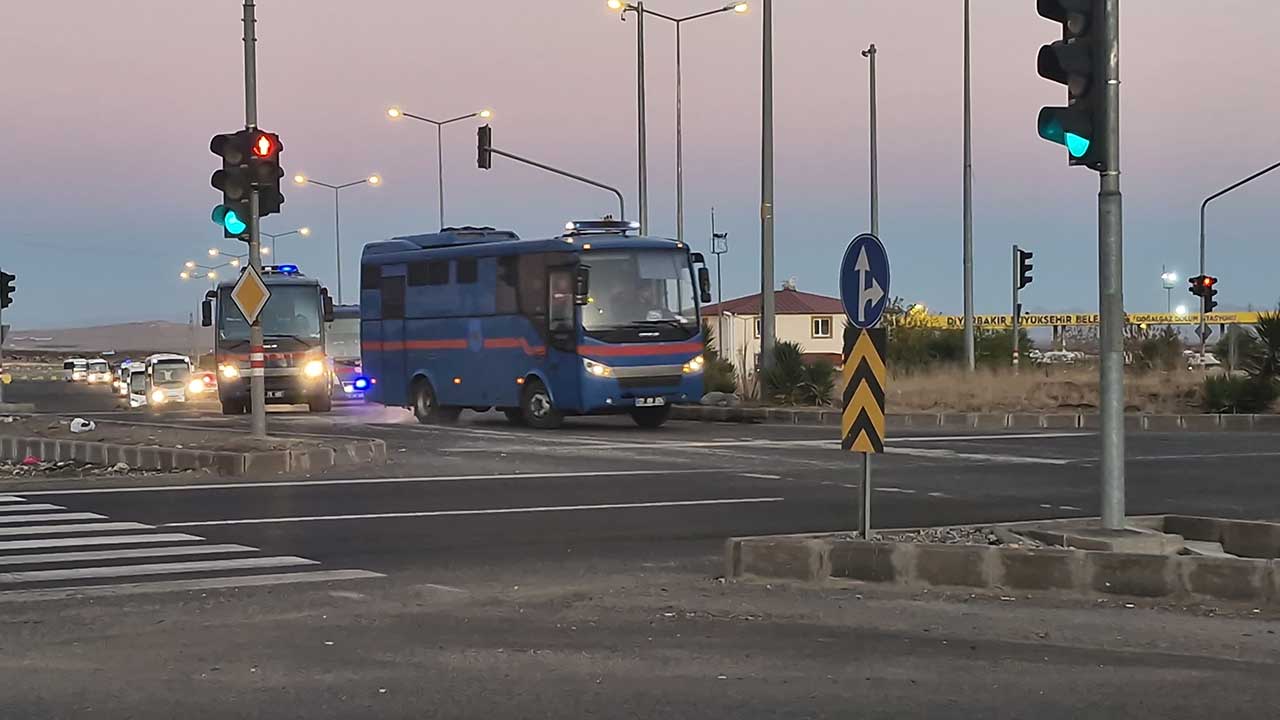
[(1037, 390)]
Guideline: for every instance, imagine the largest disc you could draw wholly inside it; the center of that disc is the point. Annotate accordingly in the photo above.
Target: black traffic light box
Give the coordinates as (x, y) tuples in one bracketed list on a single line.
[(1079, 62), (265, 171), (1024, 268), (1204, 287), (6, 289), (484, 147), (234, 181)]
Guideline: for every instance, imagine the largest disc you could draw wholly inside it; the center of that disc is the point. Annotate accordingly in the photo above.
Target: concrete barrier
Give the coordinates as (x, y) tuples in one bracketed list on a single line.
[(147, 457)]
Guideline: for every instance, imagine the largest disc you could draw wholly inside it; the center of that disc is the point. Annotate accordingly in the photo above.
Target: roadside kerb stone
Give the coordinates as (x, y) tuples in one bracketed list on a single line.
[(1060, 421), (1161, 423), (1087, 572), (1201, 423), (8, 408), (956, 420), (147, 457), (1026, 421), (1236, 422), (1266, 423)]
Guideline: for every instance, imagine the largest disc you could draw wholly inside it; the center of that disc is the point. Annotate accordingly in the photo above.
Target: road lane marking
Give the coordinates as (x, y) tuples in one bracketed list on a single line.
[(831, 444), (1200, 456), (86, 528), (59, 557), (370, 481), (99, 540), (484, 511), (893, 490), (29, 507), (761, 476), (45, 517), (11, 498), (178, 585), (938, 453), (114, 571)]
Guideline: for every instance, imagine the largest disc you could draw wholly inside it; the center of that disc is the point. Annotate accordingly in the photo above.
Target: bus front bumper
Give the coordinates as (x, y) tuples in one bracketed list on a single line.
[(627, 388)]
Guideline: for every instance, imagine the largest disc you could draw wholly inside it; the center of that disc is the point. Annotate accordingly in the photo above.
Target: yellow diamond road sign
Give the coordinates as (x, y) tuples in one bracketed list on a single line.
[(250, 294)]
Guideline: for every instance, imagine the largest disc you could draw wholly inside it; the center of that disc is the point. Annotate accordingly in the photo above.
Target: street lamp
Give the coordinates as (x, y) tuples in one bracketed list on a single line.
[(1168, 279), (303, 231), (640, 10), (396, 113), (1181, 310), (337, 225)]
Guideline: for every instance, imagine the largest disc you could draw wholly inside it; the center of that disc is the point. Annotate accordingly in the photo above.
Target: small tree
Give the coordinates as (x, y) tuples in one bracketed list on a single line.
[(789, 381), (718, 374)]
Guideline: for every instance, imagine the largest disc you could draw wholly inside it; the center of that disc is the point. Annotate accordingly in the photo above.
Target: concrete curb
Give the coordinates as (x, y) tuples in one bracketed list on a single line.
[(818, 558), (982, 421), (16, 408), (149, 457)]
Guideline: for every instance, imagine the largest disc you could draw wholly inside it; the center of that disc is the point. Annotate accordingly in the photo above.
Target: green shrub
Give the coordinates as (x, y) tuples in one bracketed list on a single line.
[(718, 375), (789, 381), (1231, 394)]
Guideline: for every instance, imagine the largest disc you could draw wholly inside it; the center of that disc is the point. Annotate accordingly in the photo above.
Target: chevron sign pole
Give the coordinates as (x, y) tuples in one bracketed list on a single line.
[(862, 419)]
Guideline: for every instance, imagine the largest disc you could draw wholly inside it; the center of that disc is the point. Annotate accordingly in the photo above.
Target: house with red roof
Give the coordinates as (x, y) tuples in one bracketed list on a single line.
[(815, 322)]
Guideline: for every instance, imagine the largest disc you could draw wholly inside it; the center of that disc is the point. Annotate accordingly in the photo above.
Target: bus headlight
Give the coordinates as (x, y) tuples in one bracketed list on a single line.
[(596, 369), (195, 387), (314, 369), (230, 372), (157, 397), (694, 365)]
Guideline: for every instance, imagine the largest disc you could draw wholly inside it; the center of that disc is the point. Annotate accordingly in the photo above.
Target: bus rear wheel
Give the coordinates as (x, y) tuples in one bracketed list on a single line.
[(537, 408), (427, 409), (651, 417)]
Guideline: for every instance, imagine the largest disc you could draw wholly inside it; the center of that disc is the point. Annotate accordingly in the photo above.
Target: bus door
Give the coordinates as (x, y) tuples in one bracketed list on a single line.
[(564, 368), (393, 372)]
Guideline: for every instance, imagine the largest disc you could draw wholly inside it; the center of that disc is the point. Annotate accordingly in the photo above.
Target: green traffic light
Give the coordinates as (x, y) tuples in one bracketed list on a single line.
[(234, 225), (1077, 145)]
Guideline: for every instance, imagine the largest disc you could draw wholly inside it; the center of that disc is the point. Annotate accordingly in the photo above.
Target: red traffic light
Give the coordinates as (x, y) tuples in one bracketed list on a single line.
[(264, 145), (1208, 281)]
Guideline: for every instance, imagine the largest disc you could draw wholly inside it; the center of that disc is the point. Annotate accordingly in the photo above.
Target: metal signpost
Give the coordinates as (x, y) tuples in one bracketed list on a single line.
[(864, 291)]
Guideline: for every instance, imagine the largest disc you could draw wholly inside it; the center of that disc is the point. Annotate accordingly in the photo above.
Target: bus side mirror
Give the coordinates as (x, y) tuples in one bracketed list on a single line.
[(697, 258), (206, 313), (582, 285), (704, 284), (328, 304)]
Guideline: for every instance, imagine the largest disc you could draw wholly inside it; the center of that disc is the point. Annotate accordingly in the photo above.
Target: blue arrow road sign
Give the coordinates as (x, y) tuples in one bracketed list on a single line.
[(864, 281)]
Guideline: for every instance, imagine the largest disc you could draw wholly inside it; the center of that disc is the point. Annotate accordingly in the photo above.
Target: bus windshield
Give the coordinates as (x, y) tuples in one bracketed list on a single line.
[(638, 288), (170, 373), (293, 311), (343, 338), (98, 366)]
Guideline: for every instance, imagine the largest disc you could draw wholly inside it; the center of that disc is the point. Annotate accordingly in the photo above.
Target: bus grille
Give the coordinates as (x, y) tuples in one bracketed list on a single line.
[(649, 381)]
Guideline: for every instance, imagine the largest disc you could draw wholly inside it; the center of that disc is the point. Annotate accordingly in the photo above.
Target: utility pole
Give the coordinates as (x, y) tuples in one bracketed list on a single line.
[(719, 246), (766, 191), (969, 343), (870, 53), (643, 142), (257, 360), (1017, 271), (1111, 283)]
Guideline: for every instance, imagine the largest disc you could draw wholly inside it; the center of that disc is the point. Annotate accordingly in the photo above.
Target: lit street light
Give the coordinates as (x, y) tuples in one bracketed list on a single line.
[(396, 113), (640, 10), (1181, 310), (337, 225), (1168, 279), (303, 231)]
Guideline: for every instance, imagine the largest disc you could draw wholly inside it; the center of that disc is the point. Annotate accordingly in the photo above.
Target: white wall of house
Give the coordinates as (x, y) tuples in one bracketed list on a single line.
[(738, 335)]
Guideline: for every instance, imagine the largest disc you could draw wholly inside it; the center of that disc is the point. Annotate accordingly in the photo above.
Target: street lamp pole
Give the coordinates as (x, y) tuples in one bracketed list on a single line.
[(394, 113), (337, 219), (766, 189), (969, 343), (870, 53), (303, 231)]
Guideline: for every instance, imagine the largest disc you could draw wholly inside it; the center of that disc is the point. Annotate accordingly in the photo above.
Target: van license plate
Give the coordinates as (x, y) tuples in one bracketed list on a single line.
[(275, 394), (651, 402)]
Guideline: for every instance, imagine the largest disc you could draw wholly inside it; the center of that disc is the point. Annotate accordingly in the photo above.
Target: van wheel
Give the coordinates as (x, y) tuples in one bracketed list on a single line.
[(651, 417), (515, 416), (426, 408), (321, 405), (537, 408)]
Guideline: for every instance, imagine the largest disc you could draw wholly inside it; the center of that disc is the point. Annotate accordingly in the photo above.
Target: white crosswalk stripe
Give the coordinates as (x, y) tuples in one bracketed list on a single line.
[(53, 546)]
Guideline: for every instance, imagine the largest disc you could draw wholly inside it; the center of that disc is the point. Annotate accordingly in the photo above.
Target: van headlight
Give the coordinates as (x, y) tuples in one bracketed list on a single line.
[(230, 372), (694, 365), (596, 369), (195, 387), (314, 369), (157, 397)]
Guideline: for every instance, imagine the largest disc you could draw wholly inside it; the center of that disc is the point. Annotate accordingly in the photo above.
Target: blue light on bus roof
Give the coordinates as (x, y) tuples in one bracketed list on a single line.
[(282, 269)]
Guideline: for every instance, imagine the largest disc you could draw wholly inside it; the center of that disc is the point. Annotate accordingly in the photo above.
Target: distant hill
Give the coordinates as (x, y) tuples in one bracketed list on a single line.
[(135, 338)]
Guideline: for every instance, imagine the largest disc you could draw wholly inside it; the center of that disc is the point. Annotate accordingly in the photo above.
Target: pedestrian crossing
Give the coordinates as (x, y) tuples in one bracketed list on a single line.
[(49, 552)]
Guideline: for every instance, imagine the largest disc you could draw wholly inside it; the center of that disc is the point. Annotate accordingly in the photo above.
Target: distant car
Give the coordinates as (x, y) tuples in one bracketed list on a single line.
[(1194, 359), (203, 384)]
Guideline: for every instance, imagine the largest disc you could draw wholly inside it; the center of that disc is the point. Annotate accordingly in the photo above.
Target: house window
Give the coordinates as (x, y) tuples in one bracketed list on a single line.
[(820, 327), (757, 327)]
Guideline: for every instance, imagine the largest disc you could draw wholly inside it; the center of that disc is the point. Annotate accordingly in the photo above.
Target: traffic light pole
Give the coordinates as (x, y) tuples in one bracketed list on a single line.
[(257, 385), (1017, 271), (1111, 289), (1204, 206), (2, 339), (970, 356)]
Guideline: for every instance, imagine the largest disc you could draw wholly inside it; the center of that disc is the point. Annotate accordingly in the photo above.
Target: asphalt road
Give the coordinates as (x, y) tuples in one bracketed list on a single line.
[(465, 520)]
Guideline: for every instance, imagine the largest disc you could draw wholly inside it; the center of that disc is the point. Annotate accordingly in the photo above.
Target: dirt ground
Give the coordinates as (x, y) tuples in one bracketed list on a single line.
[(1038, 390)]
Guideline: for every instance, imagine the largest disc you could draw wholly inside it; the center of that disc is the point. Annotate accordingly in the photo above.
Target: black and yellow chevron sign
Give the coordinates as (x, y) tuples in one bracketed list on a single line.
[(862, 382)]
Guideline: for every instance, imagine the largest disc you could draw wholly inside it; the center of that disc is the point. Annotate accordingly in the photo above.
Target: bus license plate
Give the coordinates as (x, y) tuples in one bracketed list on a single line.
[(651, 402), (275, 394)]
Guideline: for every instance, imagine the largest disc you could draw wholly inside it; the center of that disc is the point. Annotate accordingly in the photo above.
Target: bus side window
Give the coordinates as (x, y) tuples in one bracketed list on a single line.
[(370, 277), (393, 298), (533, 285), (560, 303), (505, 286)]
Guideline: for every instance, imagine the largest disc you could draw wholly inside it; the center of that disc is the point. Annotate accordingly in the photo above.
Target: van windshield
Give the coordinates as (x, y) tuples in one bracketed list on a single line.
[(170, 372)]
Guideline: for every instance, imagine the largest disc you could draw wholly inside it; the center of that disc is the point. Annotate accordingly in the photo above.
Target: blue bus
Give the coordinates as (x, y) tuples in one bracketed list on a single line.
[(597, 320)]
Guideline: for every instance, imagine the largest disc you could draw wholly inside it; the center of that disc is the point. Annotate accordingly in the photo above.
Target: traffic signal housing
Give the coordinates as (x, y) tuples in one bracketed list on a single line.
[(1205, 287), (1024, 268), (484, 147), (6, 289), (1079, 62), (234, 181)]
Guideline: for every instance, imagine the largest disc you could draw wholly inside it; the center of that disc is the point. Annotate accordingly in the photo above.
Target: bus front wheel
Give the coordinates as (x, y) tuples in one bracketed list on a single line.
[(426, 407), (537, 408), (651, 417)]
